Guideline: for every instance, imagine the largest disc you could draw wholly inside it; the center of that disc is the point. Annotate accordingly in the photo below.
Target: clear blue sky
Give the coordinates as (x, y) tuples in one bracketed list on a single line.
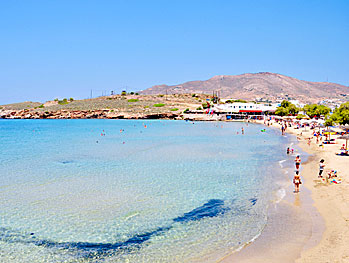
[(60, 49)]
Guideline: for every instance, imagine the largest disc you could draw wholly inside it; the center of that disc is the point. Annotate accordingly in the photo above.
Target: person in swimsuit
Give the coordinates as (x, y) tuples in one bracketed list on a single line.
[(322, 167), (297, 162), (297, 181)]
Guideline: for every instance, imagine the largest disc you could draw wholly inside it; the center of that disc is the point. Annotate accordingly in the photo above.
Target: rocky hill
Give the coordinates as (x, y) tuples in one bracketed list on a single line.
[(258, 85), (110, 107)]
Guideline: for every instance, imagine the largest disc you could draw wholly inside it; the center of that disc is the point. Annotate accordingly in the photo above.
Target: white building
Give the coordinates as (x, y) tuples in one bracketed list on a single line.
[(239, 107)]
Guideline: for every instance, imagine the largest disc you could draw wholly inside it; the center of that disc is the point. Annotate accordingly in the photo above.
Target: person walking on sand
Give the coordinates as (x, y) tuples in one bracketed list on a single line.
[(321, 167), (297, 162), (297, 181), (282, 129)]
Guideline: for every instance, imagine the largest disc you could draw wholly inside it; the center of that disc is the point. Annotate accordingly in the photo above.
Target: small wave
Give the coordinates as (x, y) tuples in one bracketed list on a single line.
[(280, 194), (280, 163), (248, 242)]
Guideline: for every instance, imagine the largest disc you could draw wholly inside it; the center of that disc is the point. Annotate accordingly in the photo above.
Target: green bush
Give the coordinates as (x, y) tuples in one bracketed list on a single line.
[(63, 102), (199, 108), (159, 105), (161, 95), (132, 93), (186, 110), (71, 99), (136, 93), (174, 109), (41, 106), (123, 93), (300, 116), (132, 100), (55, 99)]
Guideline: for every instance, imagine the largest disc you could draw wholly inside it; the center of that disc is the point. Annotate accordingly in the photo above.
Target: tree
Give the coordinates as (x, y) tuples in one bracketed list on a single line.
[(281, 111), (285, 104), (341, 114), (286, 108), (314, 110)]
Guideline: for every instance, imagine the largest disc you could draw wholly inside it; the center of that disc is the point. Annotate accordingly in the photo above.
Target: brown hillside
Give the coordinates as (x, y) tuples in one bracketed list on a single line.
[(257, 85)]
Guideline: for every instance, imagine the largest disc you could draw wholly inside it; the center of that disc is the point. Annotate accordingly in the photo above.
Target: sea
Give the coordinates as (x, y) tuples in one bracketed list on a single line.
[(135, 190)]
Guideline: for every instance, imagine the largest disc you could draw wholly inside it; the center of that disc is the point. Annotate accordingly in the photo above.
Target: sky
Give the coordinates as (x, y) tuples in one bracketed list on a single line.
[(60, 49)]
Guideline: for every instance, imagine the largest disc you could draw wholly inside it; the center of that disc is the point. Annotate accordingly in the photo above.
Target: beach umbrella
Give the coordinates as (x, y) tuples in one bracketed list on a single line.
[(328, 130), (344, 127), (346, 138), (305, 122)]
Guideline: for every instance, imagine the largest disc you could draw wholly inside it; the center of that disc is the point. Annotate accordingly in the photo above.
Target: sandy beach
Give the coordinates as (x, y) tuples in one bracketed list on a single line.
[(310, 226)]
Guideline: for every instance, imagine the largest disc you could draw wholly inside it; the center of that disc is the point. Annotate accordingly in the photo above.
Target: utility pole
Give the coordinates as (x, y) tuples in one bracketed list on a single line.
[(91, 94)]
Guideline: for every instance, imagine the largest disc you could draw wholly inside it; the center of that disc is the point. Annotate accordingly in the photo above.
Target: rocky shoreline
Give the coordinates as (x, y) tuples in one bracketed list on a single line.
[(83, 114)]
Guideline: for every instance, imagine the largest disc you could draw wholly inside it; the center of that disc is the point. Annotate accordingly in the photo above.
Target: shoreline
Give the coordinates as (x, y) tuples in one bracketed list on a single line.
[(290, 217), (328, 214)]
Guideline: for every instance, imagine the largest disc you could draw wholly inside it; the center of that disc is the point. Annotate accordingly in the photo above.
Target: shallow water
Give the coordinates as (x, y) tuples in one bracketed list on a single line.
[(146, 191)]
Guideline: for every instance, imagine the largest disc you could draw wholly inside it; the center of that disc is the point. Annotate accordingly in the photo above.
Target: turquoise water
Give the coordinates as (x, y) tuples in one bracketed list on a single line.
[(146, 191)]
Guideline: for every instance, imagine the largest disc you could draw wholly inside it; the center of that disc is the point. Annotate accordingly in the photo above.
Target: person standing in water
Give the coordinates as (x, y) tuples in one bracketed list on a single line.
[(242, 130), (282, 129), (297, 161), (297, 181)]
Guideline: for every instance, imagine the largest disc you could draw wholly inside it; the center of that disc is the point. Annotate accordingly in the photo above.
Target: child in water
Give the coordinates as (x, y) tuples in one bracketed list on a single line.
[(297, 181)]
